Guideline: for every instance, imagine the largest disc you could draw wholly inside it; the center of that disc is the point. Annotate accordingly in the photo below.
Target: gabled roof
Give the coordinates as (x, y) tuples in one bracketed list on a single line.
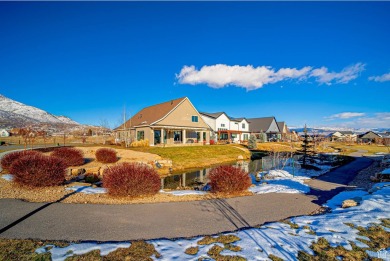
[(151, 114), (281, 125), (213, 115), (369, 134), (238, 119), (260, 124)]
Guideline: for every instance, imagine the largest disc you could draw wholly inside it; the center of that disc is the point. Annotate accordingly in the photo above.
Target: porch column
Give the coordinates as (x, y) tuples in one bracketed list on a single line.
[(183, 179), (162, 137), (184, 137), (201, 137), (162, 183)]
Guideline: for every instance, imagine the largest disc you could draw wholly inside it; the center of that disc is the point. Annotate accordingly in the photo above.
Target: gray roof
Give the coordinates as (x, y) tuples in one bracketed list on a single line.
[(260, 124), (281, 125), (213, 115)]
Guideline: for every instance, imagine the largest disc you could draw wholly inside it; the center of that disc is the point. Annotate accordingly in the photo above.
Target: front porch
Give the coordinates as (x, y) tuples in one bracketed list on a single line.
[(169, 135), (231, 136)]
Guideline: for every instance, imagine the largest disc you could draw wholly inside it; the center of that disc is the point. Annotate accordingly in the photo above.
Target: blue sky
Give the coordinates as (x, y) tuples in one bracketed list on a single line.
[(320, 63)]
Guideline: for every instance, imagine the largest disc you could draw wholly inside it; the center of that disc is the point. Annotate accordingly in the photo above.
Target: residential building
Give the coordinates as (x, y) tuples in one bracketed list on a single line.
[(4, 133), (172, 122), (346, 136), (285, 134), (225, 128), (369, 137), (265, 129)]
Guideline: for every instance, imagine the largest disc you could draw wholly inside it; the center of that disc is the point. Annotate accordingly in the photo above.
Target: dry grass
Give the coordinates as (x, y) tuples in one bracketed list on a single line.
[(192, 250), (378, 238), (24, 249), (190, 157)]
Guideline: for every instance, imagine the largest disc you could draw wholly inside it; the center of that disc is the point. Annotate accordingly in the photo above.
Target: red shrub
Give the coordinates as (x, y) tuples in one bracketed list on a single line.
[(229, 179), (70, 156), (212, 142), (9, 158), (131, 179), (106, 155), (38, 171)]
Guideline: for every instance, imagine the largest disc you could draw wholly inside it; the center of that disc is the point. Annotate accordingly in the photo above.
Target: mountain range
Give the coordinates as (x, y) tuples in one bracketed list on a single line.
[(14, 114)]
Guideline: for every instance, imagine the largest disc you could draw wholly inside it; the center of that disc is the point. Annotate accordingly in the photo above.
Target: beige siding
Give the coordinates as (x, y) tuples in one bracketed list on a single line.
[(148, 134), (182, 116)]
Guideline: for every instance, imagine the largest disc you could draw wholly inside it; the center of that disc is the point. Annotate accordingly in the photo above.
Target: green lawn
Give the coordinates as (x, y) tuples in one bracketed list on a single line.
[(186, 157)]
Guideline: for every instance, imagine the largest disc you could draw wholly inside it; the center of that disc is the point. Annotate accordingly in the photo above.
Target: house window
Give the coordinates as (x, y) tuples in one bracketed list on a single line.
[(194, 118), (245, 136), (140, 135), (243, 126), (222, 125)]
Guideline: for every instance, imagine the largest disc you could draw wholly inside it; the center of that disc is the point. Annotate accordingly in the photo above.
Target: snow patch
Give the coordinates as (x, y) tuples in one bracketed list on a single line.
[(7, 177), (61, 253), (87, 189)]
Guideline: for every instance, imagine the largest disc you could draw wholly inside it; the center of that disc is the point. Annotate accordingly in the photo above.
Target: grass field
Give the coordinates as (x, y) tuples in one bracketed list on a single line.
[(186, 157)]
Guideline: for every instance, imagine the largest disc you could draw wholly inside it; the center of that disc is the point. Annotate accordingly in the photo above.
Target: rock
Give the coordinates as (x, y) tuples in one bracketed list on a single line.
[(350, 203)]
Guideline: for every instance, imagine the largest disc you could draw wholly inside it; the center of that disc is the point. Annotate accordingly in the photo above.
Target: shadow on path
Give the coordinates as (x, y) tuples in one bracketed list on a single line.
[(37, 210)]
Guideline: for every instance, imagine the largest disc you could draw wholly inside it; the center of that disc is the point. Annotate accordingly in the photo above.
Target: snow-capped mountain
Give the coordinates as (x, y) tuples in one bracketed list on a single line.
[(17, 114)]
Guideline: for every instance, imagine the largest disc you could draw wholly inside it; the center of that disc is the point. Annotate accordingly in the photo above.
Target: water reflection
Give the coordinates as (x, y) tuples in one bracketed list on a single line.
[(197, 179)]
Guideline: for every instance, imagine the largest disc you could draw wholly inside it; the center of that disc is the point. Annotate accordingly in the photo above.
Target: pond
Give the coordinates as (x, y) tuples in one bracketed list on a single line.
[(198, 178)]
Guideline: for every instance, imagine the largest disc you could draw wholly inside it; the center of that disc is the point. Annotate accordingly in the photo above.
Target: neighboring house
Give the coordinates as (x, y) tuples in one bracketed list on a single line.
[(285, 134), (225, 128), (369, 137), (173, 122), (265, 129), (343, 136), (4, 133)]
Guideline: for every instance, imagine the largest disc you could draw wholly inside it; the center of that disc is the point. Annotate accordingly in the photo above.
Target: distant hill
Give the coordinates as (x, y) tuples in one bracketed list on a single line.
[(14, 114), (327, 130)]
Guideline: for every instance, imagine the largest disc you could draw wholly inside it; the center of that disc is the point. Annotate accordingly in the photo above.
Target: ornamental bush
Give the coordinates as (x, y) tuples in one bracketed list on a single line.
[(38, 171), (131, 179), (9, 158), (229, 179), (70, 156), (106, 155)]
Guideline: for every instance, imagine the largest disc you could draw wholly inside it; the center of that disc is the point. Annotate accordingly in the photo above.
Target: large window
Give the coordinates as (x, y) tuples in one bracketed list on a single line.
[(140, 135)]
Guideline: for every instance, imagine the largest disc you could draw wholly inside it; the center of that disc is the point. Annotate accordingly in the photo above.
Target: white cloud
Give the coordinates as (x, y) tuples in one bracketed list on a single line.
[(252, 78), (382, 78), (345, 115), (346, 75), (365, 121)]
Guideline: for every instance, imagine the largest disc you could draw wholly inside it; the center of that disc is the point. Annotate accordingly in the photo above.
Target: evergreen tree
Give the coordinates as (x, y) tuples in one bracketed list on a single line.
[(307, 148), (252, 144)]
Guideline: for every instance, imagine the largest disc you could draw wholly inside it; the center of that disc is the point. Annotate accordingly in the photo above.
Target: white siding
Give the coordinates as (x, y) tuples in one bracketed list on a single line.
[(222, 122), (209, 121)]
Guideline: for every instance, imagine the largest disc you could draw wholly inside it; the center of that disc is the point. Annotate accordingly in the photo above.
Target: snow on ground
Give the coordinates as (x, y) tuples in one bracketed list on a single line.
[(87, 189), (60, 254), (184, 192), (7, 177), (282, 182), (275, 238)]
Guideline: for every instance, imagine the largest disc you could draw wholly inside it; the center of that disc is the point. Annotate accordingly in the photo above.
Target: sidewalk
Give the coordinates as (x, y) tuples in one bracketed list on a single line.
[(56, 221)]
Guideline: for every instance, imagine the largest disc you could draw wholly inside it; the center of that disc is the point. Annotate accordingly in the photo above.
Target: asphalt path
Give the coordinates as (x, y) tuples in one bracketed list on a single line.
[(59, 221)]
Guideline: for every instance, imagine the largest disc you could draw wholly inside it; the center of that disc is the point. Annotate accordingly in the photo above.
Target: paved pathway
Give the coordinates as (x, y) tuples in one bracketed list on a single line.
[(59, 221)]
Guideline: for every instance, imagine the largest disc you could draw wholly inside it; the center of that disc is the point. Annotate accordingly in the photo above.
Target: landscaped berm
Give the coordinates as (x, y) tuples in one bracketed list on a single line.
[(85, 166)]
